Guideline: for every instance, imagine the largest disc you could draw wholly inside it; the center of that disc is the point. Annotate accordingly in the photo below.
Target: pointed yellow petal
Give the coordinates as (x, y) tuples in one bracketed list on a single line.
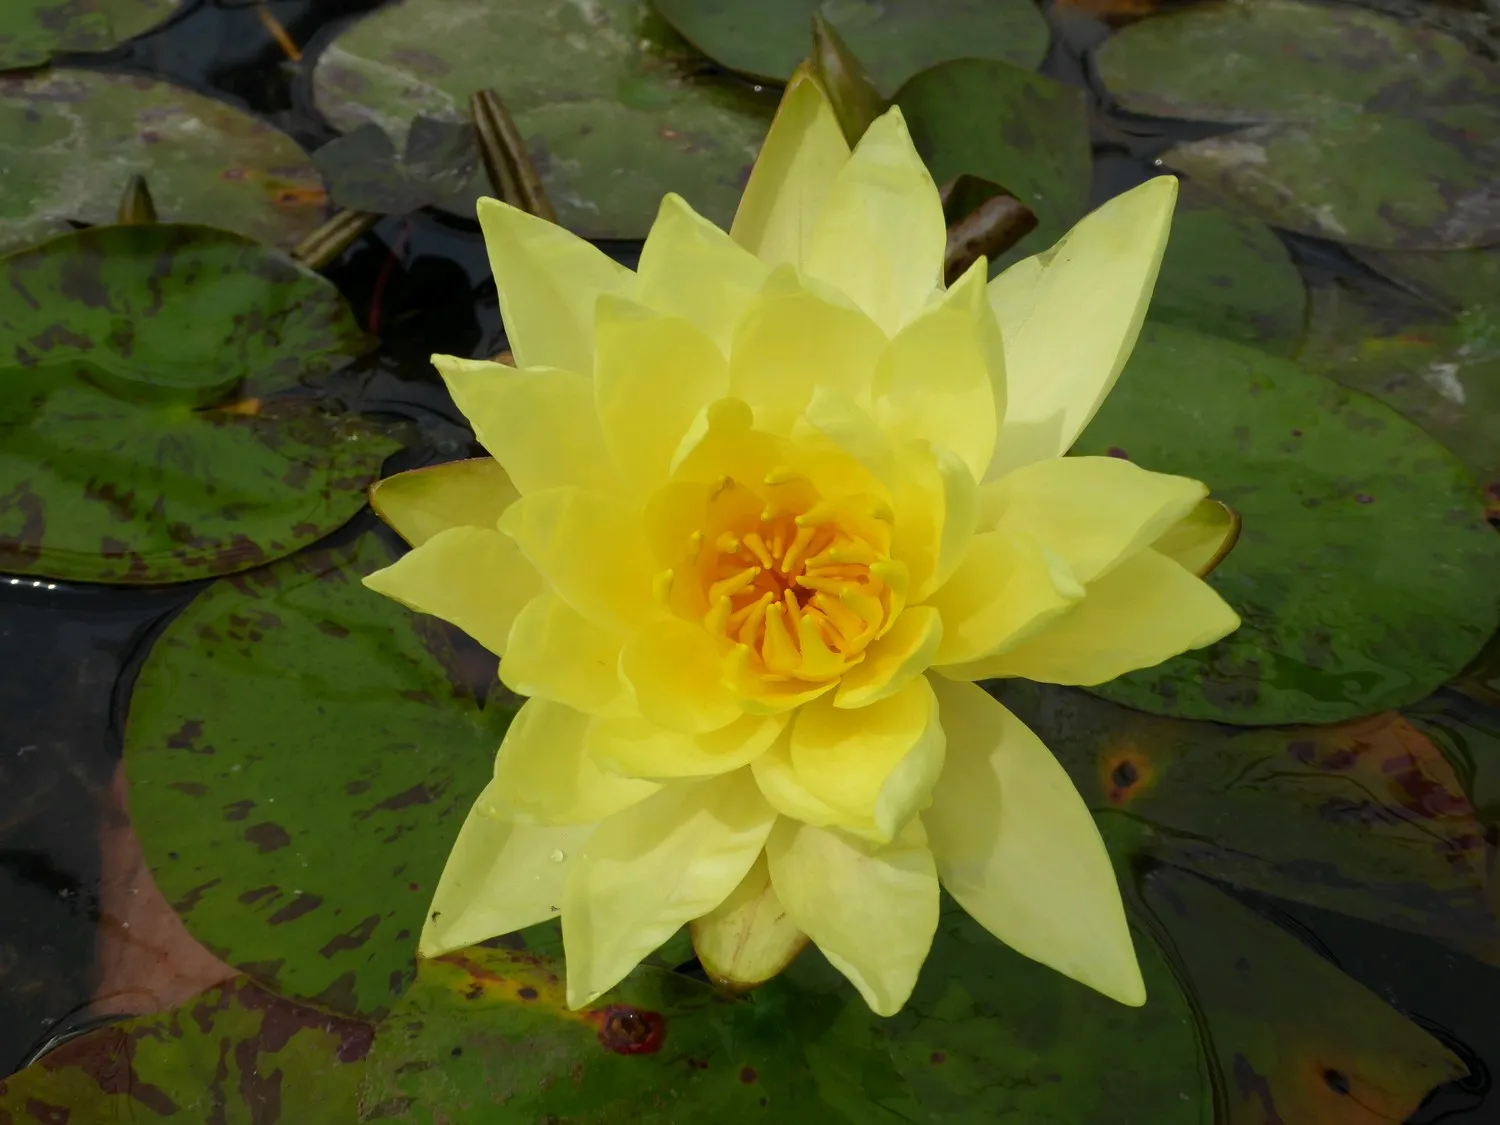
[(652, 375), (420, 503), (1148, 609), (1092, 511), (837, 417), (1202, 538), (934, 502), (1018, 849), (499, 878), (555, 653), (675, 669), (650, 870), (548, 280), (472, 577), (749, 937), (538, 424), (880, 235), (873, 914), (892, 662), (637, 747), (692, 269), (543, 775), (1070, 316), (792, 176)]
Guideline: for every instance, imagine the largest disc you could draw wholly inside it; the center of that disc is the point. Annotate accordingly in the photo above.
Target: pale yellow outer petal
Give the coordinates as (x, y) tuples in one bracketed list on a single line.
[(675, 668), (1093, 512), (873, 914), (1018, 849), (880, 236), (652, 375), (538, 424), (637, 747), (792, 176), (1148, 609), (876, 764), (499, 878), (1070, 317), (833, 415), (780, 785), (472, 577), (591, 550), (556, 653), (893, 661), (935, 503), (1201, 539), (749, 937), (939, 378), (420, 503), (548, 280), (692, 269), (650, 870), (544, 776)]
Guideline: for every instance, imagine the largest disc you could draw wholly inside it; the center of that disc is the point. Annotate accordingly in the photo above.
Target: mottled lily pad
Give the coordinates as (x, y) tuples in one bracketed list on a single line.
[(893, 40), (365, 172), (301, 753), (1365, 570), (1462, 280), (236, 1054), (32, 31), (71, 139), (137, 440), (615, 109)]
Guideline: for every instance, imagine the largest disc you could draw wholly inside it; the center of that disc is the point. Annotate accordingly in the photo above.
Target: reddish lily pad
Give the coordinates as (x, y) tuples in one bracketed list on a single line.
[(32, 31)]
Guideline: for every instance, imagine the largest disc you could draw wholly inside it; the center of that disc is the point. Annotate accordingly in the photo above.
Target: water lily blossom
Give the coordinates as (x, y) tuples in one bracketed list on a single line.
[(759, 513)]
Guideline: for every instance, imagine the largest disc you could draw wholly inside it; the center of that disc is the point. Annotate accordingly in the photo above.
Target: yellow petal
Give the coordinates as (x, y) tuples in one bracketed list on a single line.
[(591, 549), (420, 503), (876, 764), (759, 695), (1070, 316), (539, 424), (1202, 538), (675, 669), (880, 235), (555, 653), (637, 747), (544, 776), (835, 416), (692, 269), (549, 281), (791, 341), (749, 937), (472, 577), (1148, 609), (938, 379), (780, 785), (650, 870), (935, 508), (499, 878), (1018, 849), (1006, 588), (1091, 511), (893, 661), (792, 176), (873, 914), (652, 375)]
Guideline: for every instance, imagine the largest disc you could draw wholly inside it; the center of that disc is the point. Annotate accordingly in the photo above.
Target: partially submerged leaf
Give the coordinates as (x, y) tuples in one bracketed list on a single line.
[(365, 173), (32, 31)]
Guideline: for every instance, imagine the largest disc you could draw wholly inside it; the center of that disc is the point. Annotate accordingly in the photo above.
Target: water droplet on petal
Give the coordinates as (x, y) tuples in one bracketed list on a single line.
[(557, 855)]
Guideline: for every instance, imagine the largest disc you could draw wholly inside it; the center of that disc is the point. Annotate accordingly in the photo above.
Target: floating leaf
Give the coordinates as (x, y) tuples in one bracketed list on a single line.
[(365, 173), (138, 443), (32, 31), (71, 139), (1365, 570), (236, 1054), (1463, 280), (301, 753), (893, 40), (605, 94)]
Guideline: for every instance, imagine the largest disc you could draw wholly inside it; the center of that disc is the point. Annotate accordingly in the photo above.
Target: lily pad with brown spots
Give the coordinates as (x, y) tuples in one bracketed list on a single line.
[(301, 753), (157, 413), (32, 31)]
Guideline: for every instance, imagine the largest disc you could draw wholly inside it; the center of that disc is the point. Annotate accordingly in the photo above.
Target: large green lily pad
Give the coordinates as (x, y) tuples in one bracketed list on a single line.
[(1365, 571), (893, 39), (614, 109), (1462, 280), (236, 1055), (1024, 132), (301, 753), (32, 31), (136, 442), (71, 139)]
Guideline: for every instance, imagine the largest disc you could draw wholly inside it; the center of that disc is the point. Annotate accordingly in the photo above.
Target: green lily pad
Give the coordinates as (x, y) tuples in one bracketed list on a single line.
[(893, 39), (235, 1055), (301, 753), (1463, 280), (1024, 132), (32, 31), (1228, 274), (71, 139), (1284, 60), (614, 109), (1365, 571), (135, 445)]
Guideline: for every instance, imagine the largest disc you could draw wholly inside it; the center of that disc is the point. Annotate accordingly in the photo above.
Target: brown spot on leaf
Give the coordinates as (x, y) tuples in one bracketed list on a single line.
[(300, 905), (191, 897), (249, 898), (191, 788), (333, 629), (267, 837), (416, 795), (238, 810), (748, 1075), (627, 1030), (351, 939), (186, 736), (526, 992)]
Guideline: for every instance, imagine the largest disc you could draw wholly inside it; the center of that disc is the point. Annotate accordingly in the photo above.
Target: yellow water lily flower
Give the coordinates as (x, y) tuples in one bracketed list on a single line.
[(758, 514)]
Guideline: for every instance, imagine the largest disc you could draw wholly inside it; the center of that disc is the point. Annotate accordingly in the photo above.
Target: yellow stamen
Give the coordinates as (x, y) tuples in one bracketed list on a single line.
[(757, 547), (728, 587), (749, 630), (777, 650), (717, 619), (793, 557)]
